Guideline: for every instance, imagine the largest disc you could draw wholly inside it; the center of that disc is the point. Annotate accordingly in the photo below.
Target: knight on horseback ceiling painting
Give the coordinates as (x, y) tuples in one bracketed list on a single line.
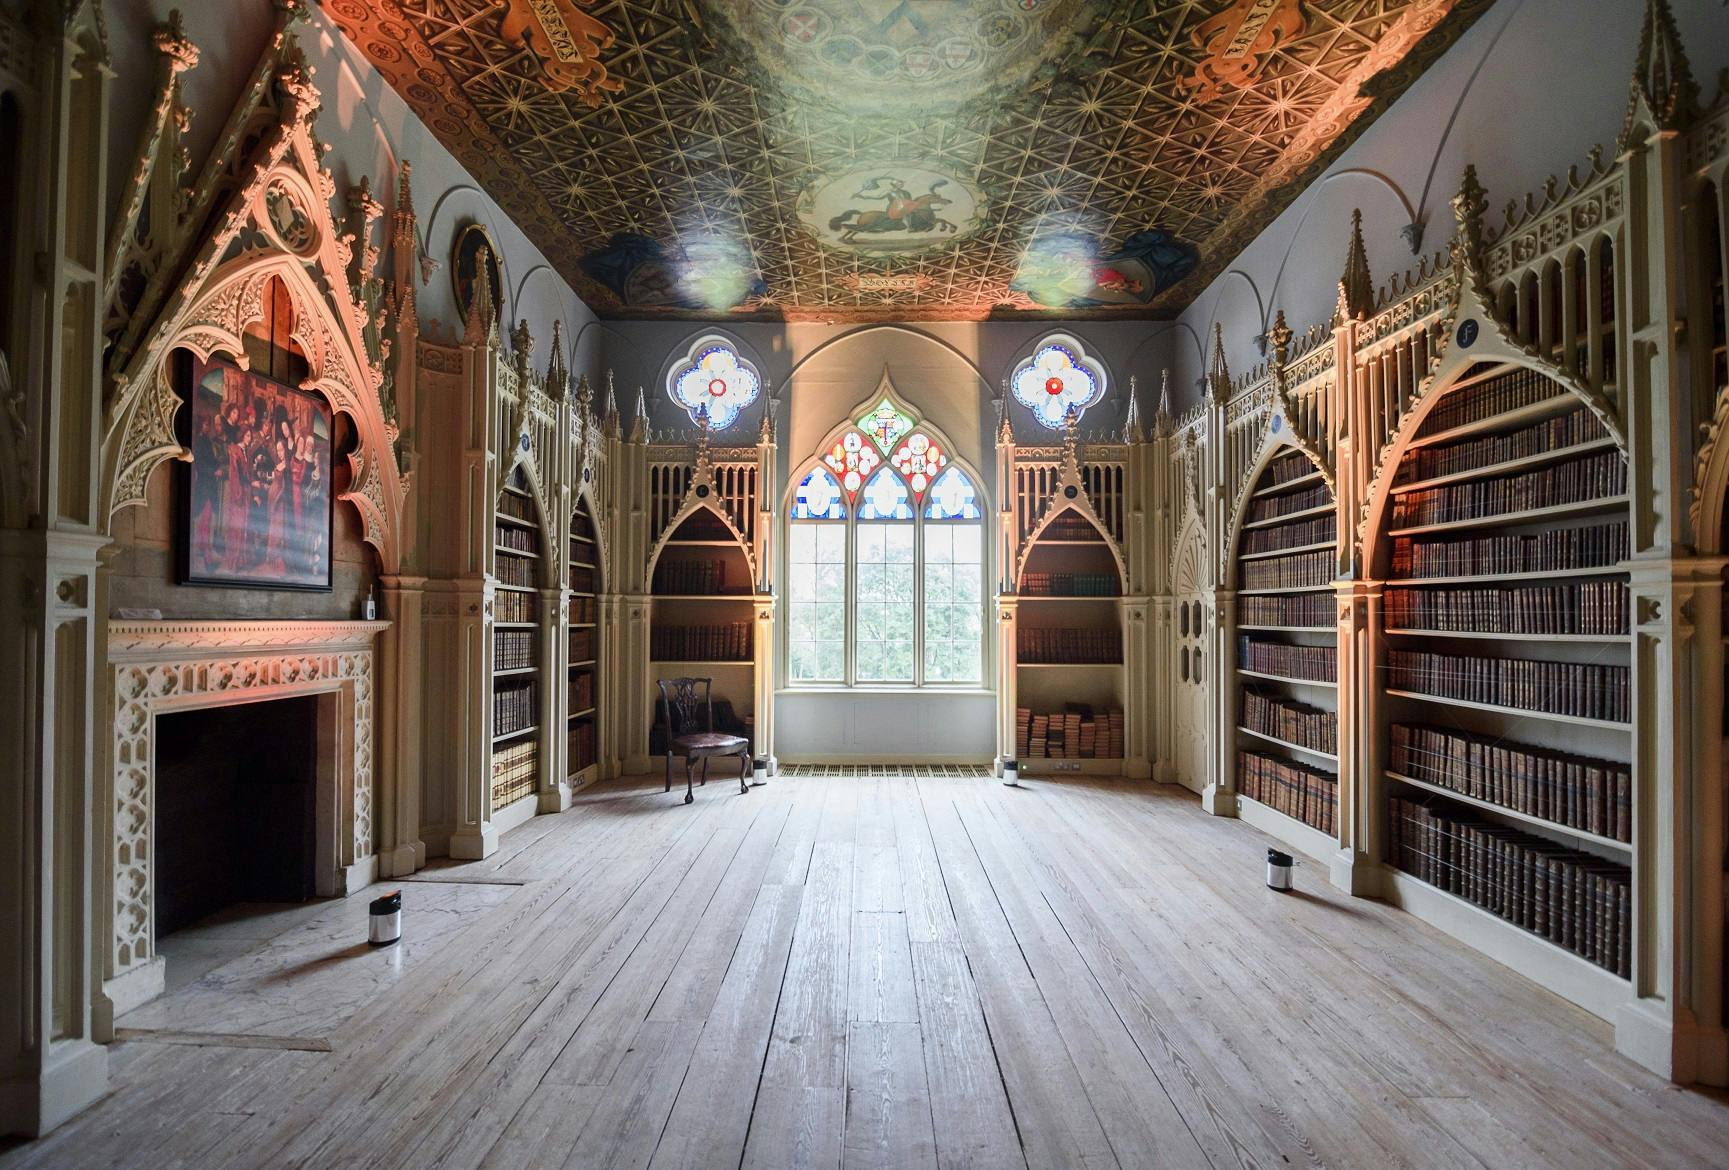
[(839, 210)]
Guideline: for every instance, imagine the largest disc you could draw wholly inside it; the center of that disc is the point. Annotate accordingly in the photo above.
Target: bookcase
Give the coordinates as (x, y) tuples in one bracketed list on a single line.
[(1286, 664), (584, 692), (1069, 672), (1508, 782), (518, 645), (702, 618)]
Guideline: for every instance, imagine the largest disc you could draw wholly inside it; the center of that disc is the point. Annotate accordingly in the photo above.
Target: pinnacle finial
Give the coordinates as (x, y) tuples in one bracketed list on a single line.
[(482, 319), (639, 424), (557, 373), (1468, 207), (1162, 416), (1132, 432), (1356, 285), (1219, 376), (1662, 79), (1280, 336)]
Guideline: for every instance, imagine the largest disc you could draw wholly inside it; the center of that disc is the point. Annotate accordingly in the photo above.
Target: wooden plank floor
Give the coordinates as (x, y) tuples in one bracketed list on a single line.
[(899, 972)]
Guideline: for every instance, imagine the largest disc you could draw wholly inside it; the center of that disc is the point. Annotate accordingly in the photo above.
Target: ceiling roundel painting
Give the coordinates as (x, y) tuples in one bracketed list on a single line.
[(856, 160)]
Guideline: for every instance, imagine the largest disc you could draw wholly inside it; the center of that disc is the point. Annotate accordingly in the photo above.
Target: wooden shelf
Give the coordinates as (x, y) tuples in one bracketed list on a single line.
[(703, 597), (1330, 757), (1327, 588), (581, 625), (515, 588), (1068, 597), (517, 734), (1556, 968), (515, 521), (583, 714), (1502, 637), (1526, 818), (1284, 678), (584, 662), (1290, 629), (1491, 470), (516, 670), (1307, 479), (1288, 517), (516, 552), (701, 544), (1063, 665), (1578, 720), (1562, 403), (1042, 543), (1494, 578), (1513, 519), (1286, 552), (516, 625)]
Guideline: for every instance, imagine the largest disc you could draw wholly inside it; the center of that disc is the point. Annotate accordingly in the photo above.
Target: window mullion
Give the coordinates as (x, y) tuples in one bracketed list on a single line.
[(851, 589), (918, 597)]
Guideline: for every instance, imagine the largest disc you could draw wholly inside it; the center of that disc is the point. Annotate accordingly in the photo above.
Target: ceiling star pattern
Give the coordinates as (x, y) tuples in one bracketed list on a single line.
[(799, 159)]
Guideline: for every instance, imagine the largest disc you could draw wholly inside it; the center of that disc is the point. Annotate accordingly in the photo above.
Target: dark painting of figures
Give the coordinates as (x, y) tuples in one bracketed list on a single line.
[(258, 490)]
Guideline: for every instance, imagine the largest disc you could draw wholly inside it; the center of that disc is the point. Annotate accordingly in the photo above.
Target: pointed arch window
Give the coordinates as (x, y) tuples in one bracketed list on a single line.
[(885, 560)]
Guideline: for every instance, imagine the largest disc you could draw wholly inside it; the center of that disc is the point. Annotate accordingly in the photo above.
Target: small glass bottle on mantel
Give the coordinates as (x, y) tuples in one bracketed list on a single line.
[(371, 608)]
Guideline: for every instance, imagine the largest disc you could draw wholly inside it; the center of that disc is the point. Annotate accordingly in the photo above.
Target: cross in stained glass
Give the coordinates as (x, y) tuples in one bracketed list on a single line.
[(885, 425)]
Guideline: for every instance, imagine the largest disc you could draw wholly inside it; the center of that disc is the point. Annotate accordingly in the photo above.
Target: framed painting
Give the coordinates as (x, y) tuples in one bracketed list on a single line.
[(476, 257), (255, 504)]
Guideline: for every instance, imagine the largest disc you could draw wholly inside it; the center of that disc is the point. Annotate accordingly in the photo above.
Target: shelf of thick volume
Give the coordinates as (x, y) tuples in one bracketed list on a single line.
[(1507, 788)]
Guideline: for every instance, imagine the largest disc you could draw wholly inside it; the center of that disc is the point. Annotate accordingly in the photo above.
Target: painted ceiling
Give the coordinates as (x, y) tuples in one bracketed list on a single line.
[(896, 159)]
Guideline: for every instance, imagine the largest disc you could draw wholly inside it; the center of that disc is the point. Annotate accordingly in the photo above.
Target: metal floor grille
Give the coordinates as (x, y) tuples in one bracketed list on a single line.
[(959, 771)]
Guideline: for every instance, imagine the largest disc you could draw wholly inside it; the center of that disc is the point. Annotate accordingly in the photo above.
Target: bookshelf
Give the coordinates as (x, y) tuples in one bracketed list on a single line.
[(1069, 672), (1287, 701), (1506, 653), (518, 646), (582, 650), (702, 619)]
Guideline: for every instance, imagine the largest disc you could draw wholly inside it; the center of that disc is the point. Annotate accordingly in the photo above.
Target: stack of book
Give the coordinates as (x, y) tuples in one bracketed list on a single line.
[(581, 645), (690, 577), (579, 741), (514, 571), (1069, 584), (1510, 391), (1312, 663), (581, 579), (508, 606), (1554, 434), (581, 691), (715, 643), (1296, 534), (1313, 610), (1584, 690), (512, 649), (1299, 571), (1272, 507), (1048, 644), (1573, 482), (515, 506), (1285, 468), (1077, 733), (514, 772), (1307, 794), (1585, 607), (1307, 727), (1071, 527), (520, 539), (1555, 550), (583, 610), (513, 707), (1577, 791), (1575, 900)]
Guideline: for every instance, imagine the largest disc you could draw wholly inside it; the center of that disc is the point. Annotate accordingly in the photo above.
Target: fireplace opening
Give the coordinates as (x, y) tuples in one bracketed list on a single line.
[(236, 808)]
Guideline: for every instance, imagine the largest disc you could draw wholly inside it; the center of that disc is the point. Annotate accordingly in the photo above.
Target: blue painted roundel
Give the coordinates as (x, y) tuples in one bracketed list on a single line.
[(1466, 335)]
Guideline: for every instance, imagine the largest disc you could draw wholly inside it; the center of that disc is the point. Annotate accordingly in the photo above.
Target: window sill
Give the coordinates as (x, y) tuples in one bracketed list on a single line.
[(923, 692)]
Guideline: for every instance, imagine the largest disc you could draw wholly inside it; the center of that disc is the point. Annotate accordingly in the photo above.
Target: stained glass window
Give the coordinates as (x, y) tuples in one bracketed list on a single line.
[(714, 381), (853, 460), (885, 423), (885, 498), (953, 497), (1056, 377), (886, 560), (818, 498), (919, 459)]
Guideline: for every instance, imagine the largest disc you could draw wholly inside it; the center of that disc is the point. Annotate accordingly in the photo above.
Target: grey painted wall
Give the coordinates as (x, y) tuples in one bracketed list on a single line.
[(1526, 93)]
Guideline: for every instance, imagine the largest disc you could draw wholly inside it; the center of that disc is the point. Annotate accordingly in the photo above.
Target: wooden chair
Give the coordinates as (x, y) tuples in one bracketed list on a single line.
[(678, 702)]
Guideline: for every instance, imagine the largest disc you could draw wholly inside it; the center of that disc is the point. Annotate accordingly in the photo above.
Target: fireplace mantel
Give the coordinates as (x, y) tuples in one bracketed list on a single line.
[(156, 667), (153, 641)]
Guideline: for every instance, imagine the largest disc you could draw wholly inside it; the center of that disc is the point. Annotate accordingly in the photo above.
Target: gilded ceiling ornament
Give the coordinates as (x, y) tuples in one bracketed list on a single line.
[(1239, 42), (568, 43)]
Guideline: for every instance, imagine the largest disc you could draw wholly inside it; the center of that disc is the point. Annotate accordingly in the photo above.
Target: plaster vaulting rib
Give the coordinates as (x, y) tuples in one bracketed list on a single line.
[(1213, 322), (1414, 232), (1310, 207), (877, 327)]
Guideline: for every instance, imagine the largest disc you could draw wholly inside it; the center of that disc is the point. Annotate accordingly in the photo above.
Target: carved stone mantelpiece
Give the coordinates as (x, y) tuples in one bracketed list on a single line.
[(155, 667)]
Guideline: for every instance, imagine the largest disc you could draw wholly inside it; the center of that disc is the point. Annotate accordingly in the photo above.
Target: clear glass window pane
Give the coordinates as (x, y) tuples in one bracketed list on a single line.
[(954, 615), (884, 608), (816, 601)]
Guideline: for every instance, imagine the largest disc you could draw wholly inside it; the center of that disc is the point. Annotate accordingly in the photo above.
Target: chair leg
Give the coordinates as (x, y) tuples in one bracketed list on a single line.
[(743, 775), (669, 771), (688, 794), (704, 780)]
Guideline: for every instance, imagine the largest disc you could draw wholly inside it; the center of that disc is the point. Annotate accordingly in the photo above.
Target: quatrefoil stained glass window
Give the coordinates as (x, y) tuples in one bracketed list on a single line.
[(1059, 375), (714, 381)]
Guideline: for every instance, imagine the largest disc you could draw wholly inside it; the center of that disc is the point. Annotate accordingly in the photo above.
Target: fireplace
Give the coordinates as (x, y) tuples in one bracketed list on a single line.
[(236, 797), (199, 814)]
